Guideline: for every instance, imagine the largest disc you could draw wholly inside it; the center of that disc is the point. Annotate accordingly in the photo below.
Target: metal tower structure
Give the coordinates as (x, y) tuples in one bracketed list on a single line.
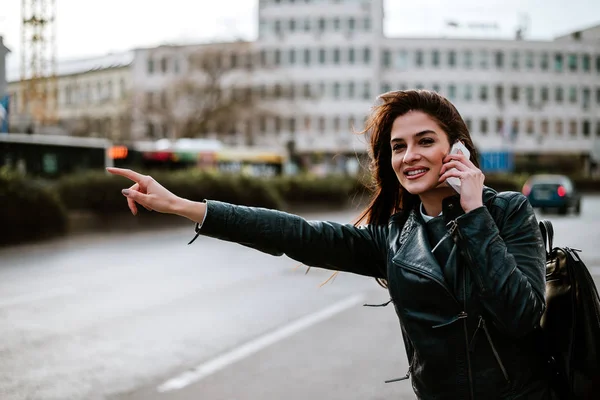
[(38, 60)]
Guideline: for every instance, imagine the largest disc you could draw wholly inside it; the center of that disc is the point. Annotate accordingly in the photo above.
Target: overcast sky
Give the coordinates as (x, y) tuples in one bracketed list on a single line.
[(95, 27)]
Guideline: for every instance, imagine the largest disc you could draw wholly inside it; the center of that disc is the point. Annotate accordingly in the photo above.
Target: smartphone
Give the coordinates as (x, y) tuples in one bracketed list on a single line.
[(455, 182)]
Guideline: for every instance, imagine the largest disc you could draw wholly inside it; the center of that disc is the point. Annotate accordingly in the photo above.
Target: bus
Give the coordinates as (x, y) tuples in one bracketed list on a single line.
[(51, 156), (205, 154)]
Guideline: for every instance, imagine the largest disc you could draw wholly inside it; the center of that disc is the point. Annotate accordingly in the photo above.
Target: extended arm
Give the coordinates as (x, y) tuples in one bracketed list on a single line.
[(330, 245)]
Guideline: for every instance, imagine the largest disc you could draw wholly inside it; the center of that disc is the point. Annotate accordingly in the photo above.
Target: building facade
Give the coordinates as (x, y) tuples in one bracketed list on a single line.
[(93, 99), (3, 52), (318, 66)]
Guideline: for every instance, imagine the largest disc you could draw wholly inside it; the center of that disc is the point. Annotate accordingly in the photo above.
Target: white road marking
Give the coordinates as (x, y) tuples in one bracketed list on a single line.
[(33, 297), (249, 348)]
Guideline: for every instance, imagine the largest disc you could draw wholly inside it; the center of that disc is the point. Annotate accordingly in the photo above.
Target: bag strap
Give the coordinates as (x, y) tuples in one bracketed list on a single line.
[(547, 234)]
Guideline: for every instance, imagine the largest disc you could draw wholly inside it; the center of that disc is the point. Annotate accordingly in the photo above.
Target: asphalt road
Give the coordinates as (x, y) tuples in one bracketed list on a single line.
[(144, 316)]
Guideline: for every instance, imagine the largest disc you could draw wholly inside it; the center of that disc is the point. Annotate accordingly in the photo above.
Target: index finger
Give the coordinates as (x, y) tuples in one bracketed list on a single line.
[(127, 173)]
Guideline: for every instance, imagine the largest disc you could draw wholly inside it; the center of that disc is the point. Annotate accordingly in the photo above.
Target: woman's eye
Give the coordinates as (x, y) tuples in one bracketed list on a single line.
[(397, 147), (427, 141)]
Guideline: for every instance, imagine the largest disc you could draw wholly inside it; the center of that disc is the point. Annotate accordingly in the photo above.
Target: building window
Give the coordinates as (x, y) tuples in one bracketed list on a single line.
[(499, 57), (322, 56), (386, 59), (366, 91), (306, 57), (419, 58), (468, 92), (515, 60), (367, 24), (573, 127), (163, 65), (544, 127), (559, 94), (351, 90), (514, 94), (530, 96), (292, 56), (598, 95), (307, 25), (483, 93), (321, 25), (499, 94), (452, 92), (544, 61), (402, 60), (336, 56), (306, 90), (292, 25), (500, 126), (529, 63), (483, 126), (530, 127), (468, 123), (468, 59), (586, 63), (544, 94), (573, 62), (483, 59), (351, 25), (436, 87), (558, 62), (336, 24), (435, 58), (367, 55), (277, 57), (558, 126), (586, 94), (150, 66), (573, 94), (351, 56), (585, 128), (452, 58), (336, 90), (598, 128), (598, 64), (385, 87)]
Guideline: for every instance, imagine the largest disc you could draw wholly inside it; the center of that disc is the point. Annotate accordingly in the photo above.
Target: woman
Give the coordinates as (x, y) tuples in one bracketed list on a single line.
[(465, 273)]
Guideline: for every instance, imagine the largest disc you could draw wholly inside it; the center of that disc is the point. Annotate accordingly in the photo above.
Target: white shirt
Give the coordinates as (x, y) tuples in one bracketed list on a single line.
[(425, 216)]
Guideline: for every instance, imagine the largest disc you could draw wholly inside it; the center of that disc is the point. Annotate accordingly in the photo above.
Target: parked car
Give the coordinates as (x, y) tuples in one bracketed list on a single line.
[(552, 191)]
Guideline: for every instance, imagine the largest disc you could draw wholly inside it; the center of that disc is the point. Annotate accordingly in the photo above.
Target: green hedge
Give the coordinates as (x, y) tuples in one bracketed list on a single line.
[(28, 211), (101, 193)]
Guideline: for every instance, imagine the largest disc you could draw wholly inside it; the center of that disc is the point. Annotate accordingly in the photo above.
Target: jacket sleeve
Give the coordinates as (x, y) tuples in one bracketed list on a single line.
[(507, 260), (342, 247)]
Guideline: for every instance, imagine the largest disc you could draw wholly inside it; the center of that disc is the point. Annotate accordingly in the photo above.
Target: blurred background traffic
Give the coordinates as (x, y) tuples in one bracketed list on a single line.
[(258, 103)]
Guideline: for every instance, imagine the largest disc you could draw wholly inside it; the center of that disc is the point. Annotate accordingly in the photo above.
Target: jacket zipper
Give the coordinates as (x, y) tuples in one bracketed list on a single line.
[(453, 225), (489, 338), (467, 336), (466, 252)]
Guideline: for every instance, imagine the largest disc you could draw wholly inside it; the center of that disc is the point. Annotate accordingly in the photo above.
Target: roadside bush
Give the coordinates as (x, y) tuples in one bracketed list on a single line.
[(100, 192), (28, 210), (309, 189)]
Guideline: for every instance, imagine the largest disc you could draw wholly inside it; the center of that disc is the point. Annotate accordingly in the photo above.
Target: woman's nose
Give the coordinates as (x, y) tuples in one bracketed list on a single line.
[(411, 155)]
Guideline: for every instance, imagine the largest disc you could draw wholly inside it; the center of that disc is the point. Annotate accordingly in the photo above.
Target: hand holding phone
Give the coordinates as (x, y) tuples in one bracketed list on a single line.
[(455, 182)]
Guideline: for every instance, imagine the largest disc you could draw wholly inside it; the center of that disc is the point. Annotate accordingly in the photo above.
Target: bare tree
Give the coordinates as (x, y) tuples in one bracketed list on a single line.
[(217, 95)]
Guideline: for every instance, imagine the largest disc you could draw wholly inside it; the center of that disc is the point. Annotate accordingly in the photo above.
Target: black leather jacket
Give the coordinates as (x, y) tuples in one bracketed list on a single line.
[(474, 338)]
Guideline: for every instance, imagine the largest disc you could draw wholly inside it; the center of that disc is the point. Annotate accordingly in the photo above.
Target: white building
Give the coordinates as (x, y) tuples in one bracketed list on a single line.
[(532, 96), (93, 98), (331, 59)]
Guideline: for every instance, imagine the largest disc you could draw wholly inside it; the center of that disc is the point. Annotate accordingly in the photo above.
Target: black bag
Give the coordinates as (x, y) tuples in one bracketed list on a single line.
[(571, 322)]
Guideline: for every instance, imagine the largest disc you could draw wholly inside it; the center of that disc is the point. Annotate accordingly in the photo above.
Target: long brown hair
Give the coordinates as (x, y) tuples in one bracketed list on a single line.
[(387, 195)]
